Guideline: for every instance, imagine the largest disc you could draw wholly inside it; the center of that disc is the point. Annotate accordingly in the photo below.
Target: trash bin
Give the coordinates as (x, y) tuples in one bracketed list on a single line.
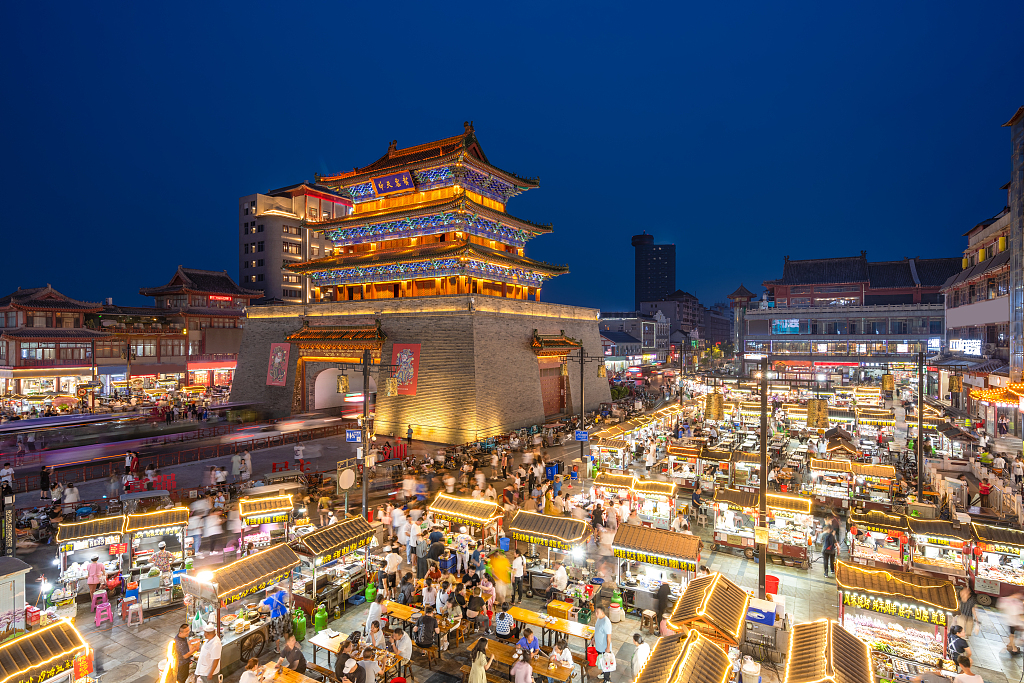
[(771, 584), (504, 543), (550, 471)]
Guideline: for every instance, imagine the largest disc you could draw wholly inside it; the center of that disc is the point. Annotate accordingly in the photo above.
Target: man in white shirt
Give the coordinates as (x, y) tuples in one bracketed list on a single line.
[(998, 465), (678, 523), (518, 568), (392, 561), (414, 539), (208, 665), (402, 643), (7, 473), (559, 580)]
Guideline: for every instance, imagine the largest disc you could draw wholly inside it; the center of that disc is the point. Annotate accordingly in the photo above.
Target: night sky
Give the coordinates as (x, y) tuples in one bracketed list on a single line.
[(741, 134)]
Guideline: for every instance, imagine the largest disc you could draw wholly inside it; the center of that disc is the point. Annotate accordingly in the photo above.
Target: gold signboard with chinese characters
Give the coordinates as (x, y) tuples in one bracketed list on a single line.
[(926, 615), (658, 560), (255, 588), (540, 540), (343, 551), (266, 519)]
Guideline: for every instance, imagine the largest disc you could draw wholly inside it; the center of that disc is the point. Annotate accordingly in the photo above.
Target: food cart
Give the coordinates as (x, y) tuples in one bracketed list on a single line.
[(887, 539), (668, 558), (56, 654), (688, 465), (823, 650), (333, 568), (995, 566), (940, 547), (229, 596), (873, 486), (686, 658), (564, 535), (614, 486), (145, 531), (791, 527), (902, 617), (743, 471), (265, 520), (610, 453), (830, 483), (656, 503), (714, 607), (474, 513), (77, 542)]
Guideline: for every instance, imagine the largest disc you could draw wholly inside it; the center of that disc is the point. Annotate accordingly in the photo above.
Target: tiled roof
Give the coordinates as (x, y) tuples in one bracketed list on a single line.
[(741, 499), (616, 481), (917, 587), (327, 539), (686, 658), (157, 520), (824, 271), (742, 293), (880, 520), (831, 465), (52, 333), (253, 569), (1016, 117), (776, 501), (998, 534), (200, 282), (46, 298), (932, 272), (459, 204), (890, 274), (714, 600), (103, 526), (825, 651), (249, 507), (27, 657), (553, 344), (941, 528), (652, 487), (473, 510), (361, 333), (151, 311), (566, 531), (657, 542), (619, 337)]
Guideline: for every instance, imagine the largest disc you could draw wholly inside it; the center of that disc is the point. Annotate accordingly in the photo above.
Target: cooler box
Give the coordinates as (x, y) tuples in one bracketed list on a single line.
[(176, 577), (149, 582), (557, 608), (761, 612), (450, 564), (32, 615)]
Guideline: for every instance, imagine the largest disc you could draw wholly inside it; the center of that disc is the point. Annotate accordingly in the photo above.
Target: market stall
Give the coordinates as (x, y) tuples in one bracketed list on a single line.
[(885, 543), (334, 564), (714, 607), (940, 547), (609, 486), (830, 482), (873, 486), (656, 502), (667, 557), (145, 531), (690, 465), (610, 453), (265, 520), (564, 535), (902, 617), (77, 543), (56, 653), (686, 658), (823, 650), (475, 513), (230, 596), (791, 527), (996, 563), (744, 468)]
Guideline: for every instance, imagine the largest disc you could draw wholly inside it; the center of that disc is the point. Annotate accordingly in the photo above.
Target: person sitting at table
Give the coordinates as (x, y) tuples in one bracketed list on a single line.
[(442, 597), (291, 656), (434, 572), (250, 674), (481, 662), (561, 655), (522, 670), (664, 628), (376, 638), (429, 592), (529, 641), (426, 628), (401, 644), (487, 591), (475, 611), (369, 664), (504, 624), (406, 590), (351, 672)]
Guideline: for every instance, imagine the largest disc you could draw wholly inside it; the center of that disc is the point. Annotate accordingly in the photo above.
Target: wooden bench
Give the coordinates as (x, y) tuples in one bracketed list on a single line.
[(491, 678), (324, 672)]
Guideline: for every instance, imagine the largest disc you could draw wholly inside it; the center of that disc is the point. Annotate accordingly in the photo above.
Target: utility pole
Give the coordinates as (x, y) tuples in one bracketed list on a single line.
[(366, 427), (762, 513), (920, 426), (681, 369), (583, 404)]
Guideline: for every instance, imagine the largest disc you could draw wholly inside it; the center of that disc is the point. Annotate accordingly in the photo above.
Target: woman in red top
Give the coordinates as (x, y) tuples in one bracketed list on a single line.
[(984, 488)]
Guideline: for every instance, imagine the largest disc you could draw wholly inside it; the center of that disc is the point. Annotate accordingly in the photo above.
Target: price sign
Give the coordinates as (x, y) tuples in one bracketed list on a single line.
[(760, 535), (118, 548)]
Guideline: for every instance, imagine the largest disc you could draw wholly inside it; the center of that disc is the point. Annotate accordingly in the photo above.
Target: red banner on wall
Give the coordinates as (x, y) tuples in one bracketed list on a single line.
[(277, 368), (407, 359)]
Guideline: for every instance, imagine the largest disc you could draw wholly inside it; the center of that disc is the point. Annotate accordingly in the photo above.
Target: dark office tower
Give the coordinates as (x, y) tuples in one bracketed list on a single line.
[(655, 269)]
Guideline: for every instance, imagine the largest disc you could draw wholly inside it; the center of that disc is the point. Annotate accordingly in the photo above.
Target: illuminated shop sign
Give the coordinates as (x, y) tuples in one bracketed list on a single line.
[(540, 540), (646, 558), (968, 347), (927, 615), (266, 519)]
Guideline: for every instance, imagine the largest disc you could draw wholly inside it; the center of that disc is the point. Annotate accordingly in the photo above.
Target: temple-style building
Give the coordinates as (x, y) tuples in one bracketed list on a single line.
[(428, 220), (428, 274)]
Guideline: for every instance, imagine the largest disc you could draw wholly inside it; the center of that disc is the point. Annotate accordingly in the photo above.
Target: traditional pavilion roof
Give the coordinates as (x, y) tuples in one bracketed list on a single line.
[(687, 657), (910, 272), (46, 299), (464, 249), (201, 282), (455, 148), (553, 344), (922, 589), (361, 336), (64, 334), (1016, 117), (823, 651), (742, 293)]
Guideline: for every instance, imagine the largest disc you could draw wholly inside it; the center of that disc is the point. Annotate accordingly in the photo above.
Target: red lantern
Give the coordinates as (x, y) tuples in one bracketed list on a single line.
[(979, 549)]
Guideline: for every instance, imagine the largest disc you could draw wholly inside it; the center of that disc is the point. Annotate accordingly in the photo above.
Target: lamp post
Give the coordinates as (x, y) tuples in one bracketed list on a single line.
[(762, 518), (920, 425), (583, 358)]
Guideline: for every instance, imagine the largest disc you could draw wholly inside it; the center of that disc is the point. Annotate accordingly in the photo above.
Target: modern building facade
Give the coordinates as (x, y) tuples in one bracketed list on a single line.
[(621, 351), (653, 331), (683, 310), (717, 325), (1016, 203), (655, 269), (280, 228)]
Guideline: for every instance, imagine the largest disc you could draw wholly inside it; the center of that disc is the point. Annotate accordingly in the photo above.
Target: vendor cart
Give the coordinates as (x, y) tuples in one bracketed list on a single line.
[(77, 542), (656, 502), (144, 532), (476, 514), (56, 654), (996, 564), (265, 519), (886, 541), (830, 483), (687, 657), (791, 527), (663, 556), (940, 548), (743, 471), (334, 564), (564, 535), (612, 454), (714, 607), (873, 486)]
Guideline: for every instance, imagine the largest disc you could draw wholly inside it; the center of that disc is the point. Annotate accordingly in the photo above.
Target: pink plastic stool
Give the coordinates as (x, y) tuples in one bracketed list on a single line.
[(103, 611), (98, 597)]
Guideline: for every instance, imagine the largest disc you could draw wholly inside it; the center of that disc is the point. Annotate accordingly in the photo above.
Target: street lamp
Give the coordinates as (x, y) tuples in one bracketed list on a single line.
[(583, 358)]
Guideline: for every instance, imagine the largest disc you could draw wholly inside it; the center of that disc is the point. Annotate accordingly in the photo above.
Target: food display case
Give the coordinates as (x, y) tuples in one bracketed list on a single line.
[(653, 557), (334, 564), (791, 526), (144, 532), (613, 454), (873, 486), (77, 543), (996, 565), (830, 483), (939, 547), (265, 520), (743, 471), (690, 465), (656, 502), (902, 617), (886, 540)]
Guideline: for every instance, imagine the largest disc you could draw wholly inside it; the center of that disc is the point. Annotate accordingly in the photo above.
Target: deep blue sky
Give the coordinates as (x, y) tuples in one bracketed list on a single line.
[(740, 132)]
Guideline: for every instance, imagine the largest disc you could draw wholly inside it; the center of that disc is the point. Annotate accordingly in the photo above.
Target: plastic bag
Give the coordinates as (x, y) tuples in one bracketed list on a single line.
[(606, 660)]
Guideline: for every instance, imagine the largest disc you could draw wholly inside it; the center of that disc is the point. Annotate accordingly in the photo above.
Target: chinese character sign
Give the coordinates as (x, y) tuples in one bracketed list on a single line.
[(395, 182), (407, 359), (277, 368)]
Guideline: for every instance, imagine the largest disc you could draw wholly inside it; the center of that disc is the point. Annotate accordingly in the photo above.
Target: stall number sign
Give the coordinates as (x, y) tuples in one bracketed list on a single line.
[(83, 665), (671, 563), (884, 606), (539, 540), (55, 669), (267, 519), (341, 552), (255, 588), (166, 531), (119, 549)]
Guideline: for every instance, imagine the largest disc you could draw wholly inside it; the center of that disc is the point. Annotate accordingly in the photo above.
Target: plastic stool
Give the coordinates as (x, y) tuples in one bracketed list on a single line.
[(134, 610), (98, 597), (103, 611)]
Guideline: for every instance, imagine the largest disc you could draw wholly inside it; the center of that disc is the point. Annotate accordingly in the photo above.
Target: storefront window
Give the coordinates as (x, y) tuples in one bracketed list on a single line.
[(173, 347), (75, 351), (38, 350), (144, 347), (109, 349), (754, 346), (791, 347)]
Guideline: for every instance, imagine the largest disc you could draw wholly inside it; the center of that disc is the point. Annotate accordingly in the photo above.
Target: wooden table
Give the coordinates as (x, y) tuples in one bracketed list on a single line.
[(289, 676), (333, 645), (504, 653), (563, 626)]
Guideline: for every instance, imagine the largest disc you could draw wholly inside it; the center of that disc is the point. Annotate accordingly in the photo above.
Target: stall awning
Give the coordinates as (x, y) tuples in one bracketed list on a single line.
[(838, 433), (76, 531), (609, 480), (617, 444), (657, 546), (779, 501), (840, 445), (562, 533), (869, 470), (686, 658), (825, 651), (243, 577), (475, 511), (716, 454), (882, 522), (939, 528), (745, 456), (736, 498), (831, 465), (713, 605), (271, 507), (998, 534), (685, 451), (160, 519), (337, 540), (776, 501), (923, 590), (41, 654), (650, 487)]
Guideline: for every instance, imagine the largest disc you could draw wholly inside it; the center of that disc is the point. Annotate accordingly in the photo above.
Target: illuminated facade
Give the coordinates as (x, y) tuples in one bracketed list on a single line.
[(428, 220)]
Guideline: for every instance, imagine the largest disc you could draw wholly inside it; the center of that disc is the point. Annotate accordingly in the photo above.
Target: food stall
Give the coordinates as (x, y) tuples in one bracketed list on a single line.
[(77, 542), (686, 657), (609, 486), (333, 568), (668, 558), (656, 504), (743, 471), (689, 464), (714, 607), (823, 650), (940, 547), (830, 483), (611, 453), (791, 527), (996, 566), (474, 513), (145, 531), (230, 596), (564, 535), (873, 486), (265, 520), (902, 617), (56, 654), (886, 541)]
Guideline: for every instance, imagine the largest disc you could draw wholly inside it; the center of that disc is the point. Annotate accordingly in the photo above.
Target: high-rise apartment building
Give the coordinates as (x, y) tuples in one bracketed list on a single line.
[(1016, 189), (655, 274), (278, 229)]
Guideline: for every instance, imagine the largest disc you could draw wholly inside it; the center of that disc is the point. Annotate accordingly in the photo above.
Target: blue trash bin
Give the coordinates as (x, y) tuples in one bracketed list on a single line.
[(551, 471), (504, 543)]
